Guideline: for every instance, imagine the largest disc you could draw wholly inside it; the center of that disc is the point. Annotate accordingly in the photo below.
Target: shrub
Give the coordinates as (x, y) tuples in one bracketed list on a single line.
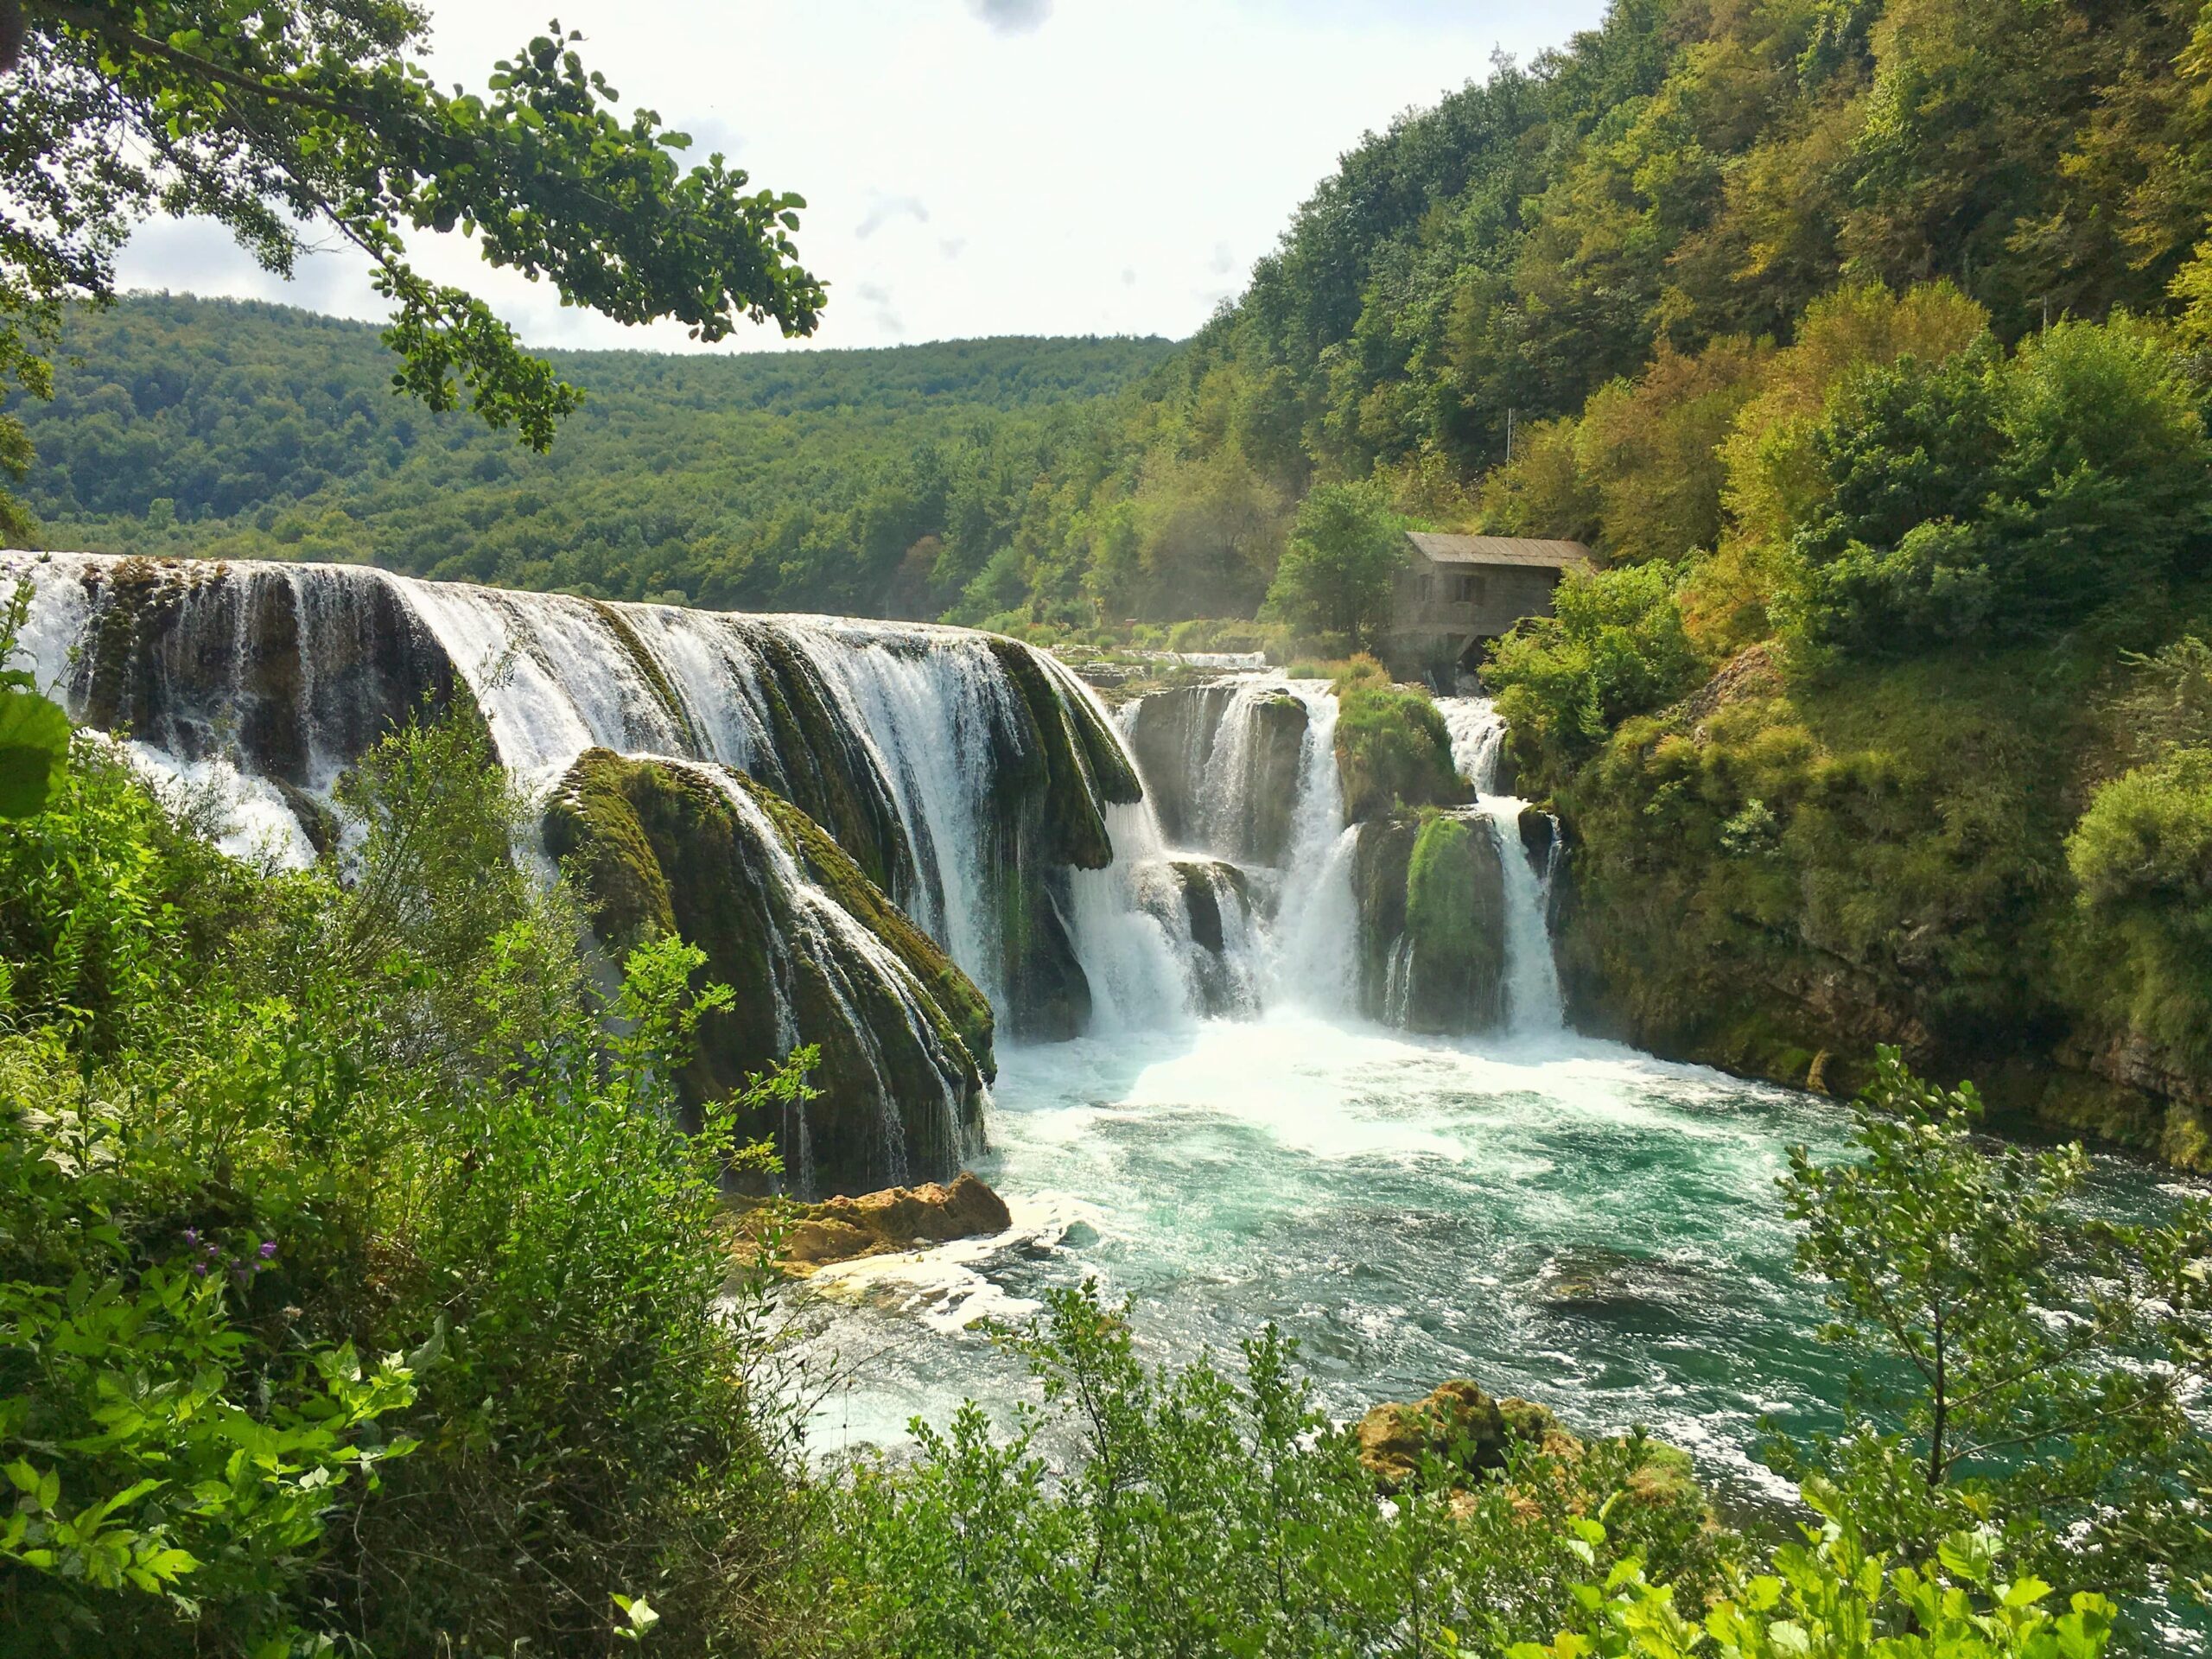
[(1392, 751), (1613, 647), (2142, 858)]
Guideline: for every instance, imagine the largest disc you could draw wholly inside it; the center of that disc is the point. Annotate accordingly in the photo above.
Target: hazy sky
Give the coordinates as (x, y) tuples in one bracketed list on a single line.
[(971, 167)]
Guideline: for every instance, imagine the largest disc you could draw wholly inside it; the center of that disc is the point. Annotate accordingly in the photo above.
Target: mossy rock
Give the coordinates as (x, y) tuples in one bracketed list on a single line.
[(649, 671), (274, 668), (1472, 1437), (658, 846), (1382, 858), (1455, 927), (1430, 894), (968, 1016), (1174, 735), (1392, 752), (1057, 768), (815, 762)]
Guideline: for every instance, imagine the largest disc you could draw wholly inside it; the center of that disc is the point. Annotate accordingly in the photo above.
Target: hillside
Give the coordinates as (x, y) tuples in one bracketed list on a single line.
[(767, 481)]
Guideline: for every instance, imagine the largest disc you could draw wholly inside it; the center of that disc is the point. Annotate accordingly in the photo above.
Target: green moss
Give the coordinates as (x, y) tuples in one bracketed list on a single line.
[(659, 847), (1455, 926), (965, 1016), (593, 828), (1776, 870), (819, 770), (1057, 768), (649, 671), (1392, 751)]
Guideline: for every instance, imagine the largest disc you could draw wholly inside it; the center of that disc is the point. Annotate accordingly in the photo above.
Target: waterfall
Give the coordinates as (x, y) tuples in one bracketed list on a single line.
[(1532, 993), (981, 785), (911, 743), (822, 937)]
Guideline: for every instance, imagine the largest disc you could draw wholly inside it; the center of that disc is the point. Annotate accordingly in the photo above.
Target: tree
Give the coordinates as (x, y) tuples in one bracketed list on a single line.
[(279, 118), (1345, 545), (2032, 1360)]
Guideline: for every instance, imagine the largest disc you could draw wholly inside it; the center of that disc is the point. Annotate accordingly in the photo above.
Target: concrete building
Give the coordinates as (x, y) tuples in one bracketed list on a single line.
[(1456, 593)]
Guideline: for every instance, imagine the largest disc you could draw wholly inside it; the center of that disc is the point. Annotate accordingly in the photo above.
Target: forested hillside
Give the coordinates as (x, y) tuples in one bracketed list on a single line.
[(764, 480)]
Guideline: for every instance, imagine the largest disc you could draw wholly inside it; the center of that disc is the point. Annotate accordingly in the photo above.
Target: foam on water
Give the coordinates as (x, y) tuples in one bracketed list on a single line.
[(1563, 1219)]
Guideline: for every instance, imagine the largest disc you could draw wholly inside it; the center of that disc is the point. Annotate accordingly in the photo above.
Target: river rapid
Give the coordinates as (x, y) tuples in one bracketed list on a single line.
[(1549, 1214)]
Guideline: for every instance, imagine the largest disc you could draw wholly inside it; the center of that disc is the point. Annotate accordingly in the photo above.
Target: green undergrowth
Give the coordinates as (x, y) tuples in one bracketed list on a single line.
[(1393, 752), (357, 1285)]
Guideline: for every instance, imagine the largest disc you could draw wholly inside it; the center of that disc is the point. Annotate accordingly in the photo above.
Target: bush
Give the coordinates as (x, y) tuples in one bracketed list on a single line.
[(2142, 858), (1203, 1513), (2014, 498), (1613, 647), (1392, 751), (300, 1173)]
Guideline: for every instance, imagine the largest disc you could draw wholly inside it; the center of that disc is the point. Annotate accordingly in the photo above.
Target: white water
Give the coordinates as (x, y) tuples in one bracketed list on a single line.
[(1533, 1003), (818, 920), (553, 679)]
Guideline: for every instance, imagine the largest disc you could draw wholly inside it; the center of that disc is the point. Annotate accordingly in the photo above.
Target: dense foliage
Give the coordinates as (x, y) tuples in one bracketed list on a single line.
[(357, 1287), (357, 1279)]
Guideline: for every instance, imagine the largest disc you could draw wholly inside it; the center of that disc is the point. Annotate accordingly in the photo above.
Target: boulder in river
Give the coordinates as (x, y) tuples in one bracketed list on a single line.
[(1475, 1435), (1458, 1422), (810, 945), (881, 1224), (1430, 898)]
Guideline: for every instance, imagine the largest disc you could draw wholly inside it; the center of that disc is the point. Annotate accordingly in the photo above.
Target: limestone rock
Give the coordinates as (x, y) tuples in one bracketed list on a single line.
[(897, 1218), (1431, 898), (1456, 1422), (1475, 1435), (663, 846)]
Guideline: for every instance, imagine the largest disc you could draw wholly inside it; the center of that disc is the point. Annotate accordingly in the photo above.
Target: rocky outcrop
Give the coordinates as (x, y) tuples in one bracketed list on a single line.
[(262, 664), (1209, 901), (875, 1223), (1224, 762), (813, 949), (1058, 767), (1392, 752), (1473, 1436), (1430, 898)]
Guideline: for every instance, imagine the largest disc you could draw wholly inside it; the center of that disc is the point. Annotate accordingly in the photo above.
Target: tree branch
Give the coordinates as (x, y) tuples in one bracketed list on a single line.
[(86, 20)]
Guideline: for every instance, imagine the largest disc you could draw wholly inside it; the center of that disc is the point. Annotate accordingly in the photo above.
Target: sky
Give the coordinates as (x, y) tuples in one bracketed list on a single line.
[(970, 166)]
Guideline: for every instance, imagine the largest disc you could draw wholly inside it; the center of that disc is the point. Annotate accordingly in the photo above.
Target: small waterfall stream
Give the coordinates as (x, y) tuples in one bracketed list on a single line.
[(1532, 1002)]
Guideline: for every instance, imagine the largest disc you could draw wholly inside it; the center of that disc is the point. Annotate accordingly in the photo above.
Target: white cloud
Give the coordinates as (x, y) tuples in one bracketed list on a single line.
[(1012, 17), (1166, 139), (887, 208)]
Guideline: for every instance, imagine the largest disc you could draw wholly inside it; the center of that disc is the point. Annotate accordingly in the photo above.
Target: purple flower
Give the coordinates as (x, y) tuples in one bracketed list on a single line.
[(191, 1236), (269, 1249), (200, 1270)]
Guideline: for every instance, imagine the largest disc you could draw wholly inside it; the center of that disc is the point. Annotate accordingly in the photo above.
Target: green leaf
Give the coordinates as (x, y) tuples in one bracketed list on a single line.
[(34, 753)]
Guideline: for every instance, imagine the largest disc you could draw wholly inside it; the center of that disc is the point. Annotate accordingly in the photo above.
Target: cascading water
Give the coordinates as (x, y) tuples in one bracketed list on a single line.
[(1251, 906), (1532, 992), (897, 736), (963, 774)]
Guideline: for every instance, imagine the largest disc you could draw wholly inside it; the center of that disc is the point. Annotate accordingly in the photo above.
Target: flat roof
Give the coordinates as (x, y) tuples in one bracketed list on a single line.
[(1501, 549)]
